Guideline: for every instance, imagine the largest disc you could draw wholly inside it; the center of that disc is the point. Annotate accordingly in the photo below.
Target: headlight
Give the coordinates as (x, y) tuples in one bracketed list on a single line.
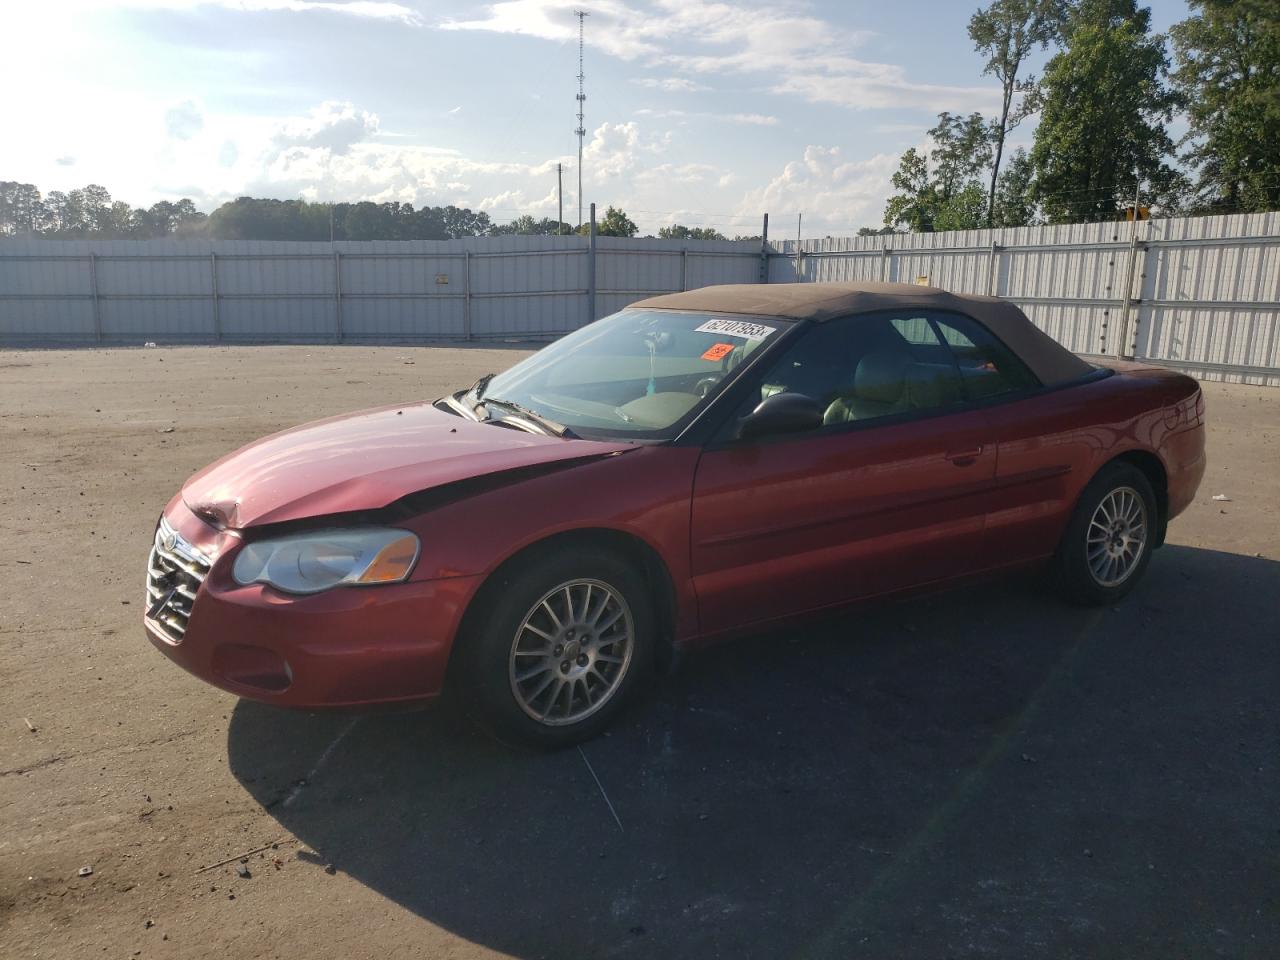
[(310, 562)]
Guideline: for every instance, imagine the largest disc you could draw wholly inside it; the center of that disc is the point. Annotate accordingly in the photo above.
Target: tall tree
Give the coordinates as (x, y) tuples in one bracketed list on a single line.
[(1105, 104), (961, 151), (21, 209), (914, 203), (1006, 33), (1015, 199), (1228, 72)]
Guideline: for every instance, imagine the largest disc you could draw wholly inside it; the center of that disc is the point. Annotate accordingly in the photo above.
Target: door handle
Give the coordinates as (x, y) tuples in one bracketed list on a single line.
[(963, 458)]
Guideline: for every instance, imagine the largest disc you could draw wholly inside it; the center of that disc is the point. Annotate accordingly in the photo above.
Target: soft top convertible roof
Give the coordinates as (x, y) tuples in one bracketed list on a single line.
[(1051, 362)]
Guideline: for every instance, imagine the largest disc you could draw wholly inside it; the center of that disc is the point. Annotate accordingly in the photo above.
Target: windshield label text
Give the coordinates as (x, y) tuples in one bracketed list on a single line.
[(736, 328)]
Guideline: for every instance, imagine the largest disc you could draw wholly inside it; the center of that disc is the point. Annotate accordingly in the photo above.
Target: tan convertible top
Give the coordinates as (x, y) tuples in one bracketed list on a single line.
[(1051, 362)]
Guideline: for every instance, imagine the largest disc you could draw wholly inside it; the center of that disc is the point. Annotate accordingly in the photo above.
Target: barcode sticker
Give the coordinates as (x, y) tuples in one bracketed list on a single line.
[(737, 328)]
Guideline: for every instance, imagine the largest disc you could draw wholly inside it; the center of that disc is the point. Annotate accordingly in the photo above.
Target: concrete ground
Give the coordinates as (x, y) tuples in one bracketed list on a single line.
[(987, 773)]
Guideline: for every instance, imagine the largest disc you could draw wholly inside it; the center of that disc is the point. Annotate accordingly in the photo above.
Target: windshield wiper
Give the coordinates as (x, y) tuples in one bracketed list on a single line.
[(546, 423), (478, 388)]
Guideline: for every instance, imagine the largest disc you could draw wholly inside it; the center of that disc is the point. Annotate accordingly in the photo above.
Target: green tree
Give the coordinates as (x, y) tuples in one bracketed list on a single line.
[(527, 225), (1006, 33), (1228, 72), (1015, 199), (961, 152), (614, 223), (914, 203), (965, 209), (22, 211), (680, 232), (1105, 105), (874, 232)]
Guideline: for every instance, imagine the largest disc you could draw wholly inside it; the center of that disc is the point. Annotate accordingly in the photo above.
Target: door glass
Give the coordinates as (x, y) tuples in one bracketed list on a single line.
[(865, 367), (987, 366)]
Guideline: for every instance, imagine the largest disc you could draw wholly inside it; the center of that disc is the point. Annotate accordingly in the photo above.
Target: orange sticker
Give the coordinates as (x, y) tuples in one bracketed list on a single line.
[(718, 351)]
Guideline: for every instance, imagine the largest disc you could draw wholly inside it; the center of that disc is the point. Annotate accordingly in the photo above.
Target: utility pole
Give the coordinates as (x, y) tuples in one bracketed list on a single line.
[(559, 197), (581, 131)]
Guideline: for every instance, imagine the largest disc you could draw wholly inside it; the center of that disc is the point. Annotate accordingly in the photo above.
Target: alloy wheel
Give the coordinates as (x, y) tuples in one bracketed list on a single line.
[(1117, 536), (571, 652)]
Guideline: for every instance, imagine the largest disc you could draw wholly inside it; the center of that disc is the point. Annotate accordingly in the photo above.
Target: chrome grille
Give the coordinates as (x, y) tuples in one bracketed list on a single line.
[(175, 570)]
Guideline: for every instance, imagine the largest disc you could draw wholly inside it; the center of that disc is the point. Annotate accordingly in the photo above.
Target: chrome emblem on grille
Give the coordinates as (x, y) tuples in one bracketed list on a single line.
[(170, 540)]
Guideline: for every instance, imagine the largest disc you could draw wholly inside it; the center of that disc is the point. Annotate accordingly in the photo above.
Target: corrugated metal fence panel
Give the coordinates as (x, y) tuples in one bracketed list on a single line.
[(1210, 291), (527, 287), (1207, 290), (49, 296)]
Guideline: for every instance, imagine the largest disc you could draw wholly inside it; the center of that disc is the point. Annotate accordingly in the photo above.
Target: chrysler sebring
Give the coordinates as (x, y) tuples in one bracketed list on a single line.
[(695, 466)]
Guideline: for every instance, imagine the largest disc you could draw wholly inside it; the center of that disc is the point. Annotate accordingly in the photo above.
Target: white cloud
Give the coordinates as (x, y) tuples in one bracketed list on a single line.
[(332, 126), (369, 9), (834, 193), (751, 119), (183, 120), (707, 37), (670, 84)]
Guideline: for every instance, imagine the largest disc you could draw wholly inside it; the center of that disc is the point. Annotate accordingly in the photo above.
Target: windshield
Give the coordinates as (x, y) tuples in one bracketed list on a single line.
[(639, 373)]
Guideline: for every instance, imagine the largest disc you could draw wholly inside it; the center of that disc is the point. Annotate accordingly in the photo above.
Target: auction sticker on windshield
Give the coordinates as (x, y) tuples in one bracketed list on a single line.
[(736, 328)]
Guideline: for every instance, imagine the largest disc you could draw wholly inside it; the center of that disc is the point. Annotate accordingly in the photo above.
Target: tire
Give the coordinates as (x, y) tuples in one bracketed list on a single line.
[(1108, 541), (532, 684)]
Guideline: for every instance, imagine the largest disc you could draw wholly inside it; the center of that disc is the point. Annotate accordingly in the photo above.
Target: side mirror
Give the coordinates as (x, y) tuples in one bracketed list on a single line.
[(781, 413)]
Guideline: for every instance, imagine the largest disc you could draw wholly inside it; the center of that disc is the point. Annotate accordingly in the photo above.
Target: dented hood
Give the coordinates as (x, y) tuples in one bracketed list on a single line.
[(367, 460)]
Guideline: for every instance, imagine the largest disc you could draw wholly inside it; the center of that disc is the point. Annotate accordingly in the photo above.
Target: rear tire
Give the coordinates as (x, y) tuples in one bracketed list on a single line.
[(561, 642), (1108, 541)]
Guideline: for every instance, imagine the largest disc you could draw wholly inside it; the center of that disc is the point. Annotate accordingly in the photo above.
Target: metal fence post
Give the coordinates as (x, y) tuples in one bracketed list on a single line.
[(991, 269), (886, 269), (97, 309), (466, 294), (591, 269), (213, 288), (764, 250), (684, 269), (337, 293), (1123, 349)]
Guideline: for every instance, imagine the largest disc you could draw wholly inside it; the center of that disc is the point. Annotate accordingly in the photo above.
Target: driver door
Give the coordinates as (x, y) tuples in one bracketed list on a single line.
[(888, 493)]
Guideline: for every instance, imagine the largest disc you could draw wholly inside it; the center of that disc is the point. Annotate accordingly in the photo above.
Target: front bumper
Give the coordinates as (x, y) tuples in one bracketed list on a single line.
[(350, 646)]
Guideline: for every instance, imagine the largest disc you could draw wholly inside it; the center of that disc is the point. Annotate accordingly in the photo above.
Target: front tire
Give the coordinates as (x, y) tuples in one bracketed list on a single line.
[(561, 642), (1108, 542)]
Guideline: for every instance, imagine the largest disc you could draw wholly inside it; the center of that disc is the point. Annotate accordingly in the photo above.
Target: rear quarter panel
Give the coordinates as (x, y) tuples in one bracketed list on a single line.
[(1052, 445)]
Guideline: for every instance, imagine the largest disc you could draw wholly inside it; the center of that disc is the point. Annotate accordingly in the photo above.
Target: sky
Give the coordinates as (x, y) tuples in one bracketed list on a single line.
[(699, 112)]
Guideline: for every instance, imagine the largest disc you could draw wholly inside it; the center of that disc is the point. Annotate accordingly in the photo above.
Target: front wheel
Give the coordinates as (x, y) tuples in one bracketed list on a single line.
[(1108, 542), (562, 641)]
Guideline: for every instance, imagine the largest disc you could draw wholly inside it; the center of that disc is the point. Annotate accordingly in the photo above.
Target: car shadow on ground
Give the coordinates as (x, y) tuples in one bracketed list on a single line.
[(985, 772)]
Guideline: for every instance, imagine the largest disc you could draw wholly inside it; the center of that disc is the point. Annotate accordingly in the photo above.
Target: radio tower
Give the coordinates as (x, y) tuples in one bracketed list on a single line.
[(582, 98)]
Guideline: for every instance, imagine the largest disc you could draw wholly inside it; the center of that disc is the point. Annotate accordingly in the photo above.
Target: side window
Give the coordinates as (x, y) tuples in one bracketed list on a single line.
[(987, 367), (865, 367)]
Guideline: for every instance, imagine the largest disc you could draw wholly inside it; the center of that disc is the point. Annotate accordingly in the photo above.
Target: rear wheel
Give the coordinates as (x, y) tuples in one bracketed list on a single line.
[(562, 642), (1108, 542)]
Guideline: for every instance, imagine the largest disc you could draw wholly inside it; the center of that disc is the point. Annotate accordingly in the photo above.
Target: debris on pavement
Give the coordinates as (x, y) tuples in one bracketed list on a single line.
[(85, 872), (242, 869), (330, 869), (1222, 498), (241, 856), (166, 429), (30, 726)]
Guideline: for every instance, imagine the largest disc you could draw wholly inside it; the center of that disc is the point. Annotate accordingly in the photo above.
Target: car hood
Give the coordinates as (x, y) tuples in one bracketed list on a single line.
[(368, 460)]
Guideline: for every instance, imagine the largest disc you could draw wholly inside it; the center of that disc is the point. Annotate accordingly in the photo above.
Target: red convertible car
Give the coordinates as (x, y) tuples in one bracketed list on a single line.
[(695, 466)]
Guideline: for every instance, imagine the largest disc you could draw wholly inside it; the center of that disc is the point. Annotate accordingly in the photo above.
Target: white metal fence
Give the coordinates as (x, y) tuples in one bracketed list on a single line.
[(1202, 293)]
